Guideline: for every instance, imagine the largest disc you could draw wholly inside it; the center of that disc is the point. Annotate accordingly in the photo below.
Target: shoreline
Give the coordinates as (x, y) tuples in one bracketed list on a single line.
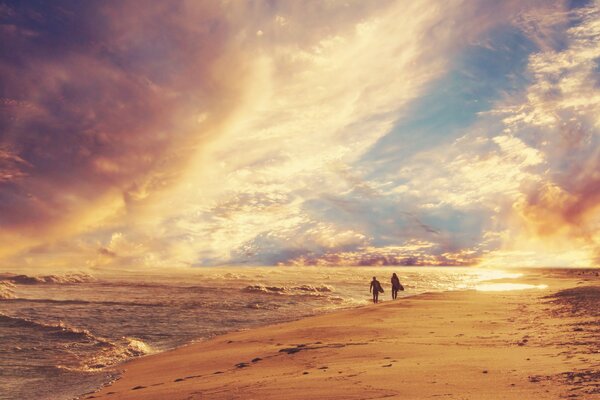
[(327, 354), (167, 311), (118, 372)]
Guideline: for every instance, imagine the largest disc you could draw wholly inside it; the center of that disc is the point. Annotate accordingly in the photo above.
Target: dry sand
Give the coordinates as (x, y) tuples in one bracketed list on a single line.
[(457, 345)]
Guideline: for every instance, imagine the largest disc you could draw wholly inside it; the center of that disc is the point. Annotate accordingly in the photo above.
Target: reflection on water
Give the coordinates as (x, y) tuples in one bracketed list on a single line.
[(491, 274), (501, 287)]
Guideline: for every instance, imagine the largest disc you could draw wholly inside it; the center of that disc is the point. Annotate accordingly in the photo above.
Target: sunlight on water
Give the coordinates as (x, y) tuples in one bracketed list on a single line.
[(501, 287), (491, 274)]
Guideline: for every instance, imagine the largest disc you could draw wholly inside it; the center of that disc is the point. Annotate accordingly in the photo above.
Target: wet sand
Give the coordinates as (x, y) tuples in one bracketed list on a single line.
[(525, 344)]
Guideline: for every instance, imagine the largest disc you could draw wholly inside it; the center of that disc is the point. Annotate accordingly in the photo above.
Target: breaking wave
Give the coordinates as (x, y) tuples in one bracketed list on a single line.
[(265, 289), (317, 289), (116, 353), (79, 277), (84, 302), (7, 290), (97, 352), (59, 330), (303, 290)]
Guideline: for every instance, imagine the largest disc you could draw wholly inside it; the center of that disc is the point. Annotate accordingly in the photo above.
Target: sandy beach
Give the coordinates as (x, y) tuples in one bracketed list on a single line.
[(519, 344), (195, 197)]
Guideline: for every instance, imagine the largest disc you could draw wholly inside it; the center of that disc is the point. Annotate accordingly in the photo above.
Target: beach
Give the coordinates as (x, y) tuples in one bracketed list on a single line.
[(64, 334), (198, 197), (538, 343)]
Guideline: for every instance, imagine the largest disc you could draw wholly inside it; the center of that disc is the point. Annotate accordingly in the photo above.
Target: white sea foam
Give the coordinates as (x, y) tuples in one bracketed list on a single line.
[(301, 290), (7, 290), (77, 277), (318, 289), (265, 289), (115, 353), (88, 352), (59, 330)]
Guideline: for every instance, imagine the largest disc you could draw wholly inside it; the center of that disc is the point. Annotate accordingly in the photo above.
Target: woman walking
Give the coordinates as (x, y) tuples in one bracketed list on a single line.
[(396, 285)]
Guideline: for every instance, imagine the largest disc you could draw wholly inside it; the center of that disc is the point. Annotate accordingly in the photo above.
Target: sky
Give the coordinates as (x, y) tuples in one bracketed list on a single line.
[(207, 133)]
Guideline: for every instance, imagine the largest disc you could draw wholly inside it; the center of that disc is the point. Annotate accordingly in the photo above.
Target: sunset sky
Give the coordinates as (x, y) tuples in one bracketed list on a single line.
[(192, 133)]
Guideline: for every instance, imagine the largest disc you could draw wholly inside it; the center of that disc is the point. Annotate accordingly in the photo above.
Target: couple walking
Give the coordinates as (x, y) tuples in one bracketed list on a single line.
[(376, 288)]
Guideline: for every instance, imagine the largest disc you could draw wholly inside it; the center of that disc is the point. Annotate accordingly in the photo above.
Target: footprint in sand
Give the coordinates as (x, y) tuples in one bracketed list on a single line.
[(138, 387)]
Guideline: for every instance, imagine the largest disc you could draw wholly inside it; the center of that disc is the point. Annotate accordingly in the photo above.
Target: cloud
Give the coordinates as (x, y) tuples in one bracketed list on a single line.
[(558, 115), (12, 167), (203, 133), (102, 103), (413, 253)]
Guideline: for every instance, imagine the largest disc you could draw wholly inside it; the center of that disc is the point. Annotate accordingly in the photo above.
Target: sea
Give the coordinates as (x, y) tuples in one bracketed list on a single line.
[(65, 335)]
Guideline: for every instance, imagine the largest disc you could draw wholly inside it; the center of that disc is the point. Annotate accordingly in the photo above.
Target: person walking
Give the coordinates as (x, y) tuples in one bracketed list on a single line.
[(396, 285), (376, 289)]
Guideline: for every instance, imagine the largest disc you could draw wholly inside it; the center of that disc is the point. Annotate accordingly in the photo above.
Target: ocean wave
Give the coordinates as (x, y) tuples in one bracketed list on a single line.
[(115, 354), (7, 290), (317, 289), (265, 289), (105, 359), (96, 354), (85, 302), (302, 290), (59, 330), (77, 277)]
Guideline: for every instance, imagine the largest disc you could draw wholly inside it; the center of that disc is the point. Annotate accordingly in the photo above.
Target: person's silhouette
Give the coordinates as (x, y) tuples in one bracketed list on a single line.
[(376, 289), (396, 285)]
